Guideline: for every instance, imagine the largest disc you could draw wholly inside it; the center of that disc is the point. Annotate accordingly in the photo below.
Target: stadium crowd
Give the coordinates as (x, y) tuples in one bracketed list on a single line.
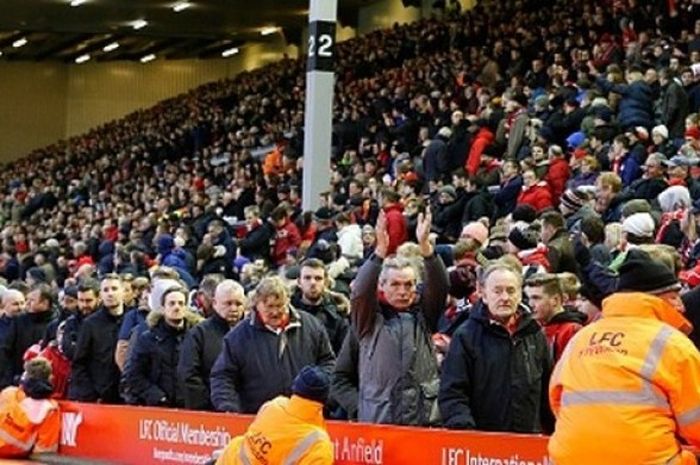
[(496, 175)]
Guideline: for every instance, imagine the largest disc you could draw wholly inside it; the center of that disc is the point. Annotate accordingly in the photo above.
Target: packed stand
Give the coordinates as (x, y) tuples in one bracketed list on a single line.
[(495, 188)]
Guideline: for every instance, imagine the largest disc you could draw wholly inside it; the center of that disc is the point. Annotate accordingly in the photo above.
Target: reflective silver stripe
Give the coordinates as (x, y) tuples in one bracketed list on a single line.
[(647, 395), (691, 416), (643, 397), (302, 447), (242, 455), (651, 362), (14, 442)]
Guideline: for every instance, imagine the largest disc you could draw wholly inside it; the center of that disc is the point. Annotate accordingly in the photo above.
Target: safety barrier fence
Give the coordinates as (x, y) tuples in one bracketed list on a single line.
[(142, 435)]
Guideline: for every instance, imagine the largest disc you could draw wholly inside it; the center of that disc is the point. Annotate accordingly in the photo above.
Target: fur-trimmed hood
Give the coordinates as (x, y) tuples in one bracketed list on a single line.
[(155, 316)]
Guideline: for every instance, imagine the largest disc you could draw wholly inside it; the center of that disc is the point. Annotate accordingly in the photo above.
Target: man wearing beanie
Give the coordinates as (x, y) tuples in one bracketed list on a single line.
[(288, 430), (29, 420), (630, 377)]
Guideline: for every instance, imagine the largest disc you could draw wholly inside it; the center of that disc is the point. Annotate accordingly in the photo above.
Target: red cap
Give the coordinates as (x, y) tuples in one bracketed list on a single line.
[(693, 132)]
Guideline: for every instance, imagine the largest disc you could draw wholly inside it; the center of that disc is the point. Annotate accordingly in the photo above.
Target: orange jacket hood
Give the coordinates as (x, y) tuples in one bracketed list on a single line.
[(638, 304)]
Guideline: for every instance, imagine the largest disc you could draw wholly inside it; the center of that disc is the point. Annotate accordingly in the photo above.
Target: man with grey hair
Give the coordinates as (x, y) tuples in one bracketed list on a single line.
[(495, 375), (13, 303), (262, 354), (203, 343), (397, 367)]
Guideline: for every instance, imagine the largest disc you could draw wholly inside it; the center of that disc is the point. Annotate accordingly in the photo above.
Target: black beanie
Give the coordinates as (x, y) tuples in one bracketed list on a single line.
[(524, 212), (640, 273), (312, 383), (523, 239)]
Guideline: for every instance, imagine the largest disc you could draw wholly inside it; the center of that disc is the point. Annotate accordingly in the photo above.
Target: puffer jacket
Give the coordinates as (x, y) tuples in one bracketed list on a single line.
[(482, 355), (635, 369), (150, 375)]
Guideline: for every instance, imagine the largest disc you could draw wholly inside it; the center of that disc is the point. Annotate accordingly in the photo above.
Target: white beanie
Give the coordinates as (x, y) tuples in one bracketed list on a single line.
[(674, 198), (639, 224), (158, 288), (660, 130)]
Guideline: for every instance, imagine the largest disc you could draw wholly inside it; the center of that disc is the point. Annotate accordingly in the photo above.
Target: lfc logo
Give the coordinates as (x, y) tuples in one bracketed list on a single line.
[(69, 428)]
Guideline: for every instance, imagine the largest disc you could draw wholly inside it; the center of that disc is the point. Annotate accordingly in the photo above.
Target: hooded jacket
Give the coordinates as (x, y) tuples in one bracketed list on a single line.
[(150, 374), (635, 369), (483, 355), (561, 328), (395, 226)]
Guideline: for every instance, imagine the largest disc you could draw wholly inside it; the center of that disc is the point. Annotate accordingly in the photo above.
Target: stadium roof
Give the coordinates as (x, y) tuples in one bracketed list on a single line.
[(37, 30)]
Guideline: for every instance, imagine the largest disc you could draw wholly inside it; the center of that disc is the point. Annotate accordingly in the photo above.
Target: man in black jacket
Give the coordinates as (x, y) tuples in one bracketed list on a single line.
[(263, 353), (95, 374), (203, 343), (88, 301), (24, 331), (495, 375), (150, 374), (312, 297)]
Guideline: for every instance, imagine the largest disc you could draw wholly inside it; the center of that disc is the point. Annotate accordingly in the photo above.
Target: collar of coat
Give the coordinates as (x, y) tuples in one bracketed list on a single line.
[(294, 321)]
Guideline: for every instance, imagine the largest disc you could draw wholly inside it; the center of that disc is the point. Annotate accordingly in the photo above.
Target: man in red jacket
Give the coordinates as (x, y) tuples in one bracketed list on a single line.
[(546, 300), (287, 237), (558, 172), (395, 220), (535, 193)]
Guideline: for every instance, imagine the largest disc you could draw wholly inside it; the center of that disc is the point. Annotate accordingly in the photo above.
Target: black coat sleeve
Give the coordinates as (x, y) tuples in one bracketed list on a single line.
[(82, 387), (190, 372), (455, 385), (345, 381), (224, 379)]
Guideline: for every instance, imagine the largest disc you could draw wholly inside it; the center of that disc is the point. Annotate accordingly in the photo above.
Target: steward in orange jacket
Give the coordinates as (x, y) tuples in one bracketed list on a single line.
[(29, 420), (627, 386), (287, 430)]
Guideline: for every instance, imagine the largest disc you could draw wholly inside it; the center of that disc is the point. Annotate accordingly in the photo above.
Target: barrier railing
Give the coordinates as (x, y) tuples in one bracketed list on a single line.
[(141, 435)]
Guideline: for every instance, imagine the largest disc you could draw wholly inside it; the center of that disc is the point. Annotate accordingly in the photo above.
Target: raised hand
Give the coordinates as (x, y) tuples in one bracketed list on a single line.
[(425, 221), (381, 249)]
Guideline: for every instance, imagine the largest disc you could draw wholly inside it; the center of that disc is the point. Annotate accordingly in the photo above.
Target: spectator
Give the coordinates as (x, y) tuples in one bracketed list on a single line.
[(535, 193), (395, 221), (95, 375), (511, 185), (674, 103), (312, 296), (203, 343), (546, 298), (287, 238), (262, 355), (349, 238), (256, 243), (559, 245), (523, 243), (150, 374), (29, 420), (386, 329), (636, 106), (642, 333), (13, 304), (25, 330), (558, 172), (483, 354), (652, 182), (88, 293)]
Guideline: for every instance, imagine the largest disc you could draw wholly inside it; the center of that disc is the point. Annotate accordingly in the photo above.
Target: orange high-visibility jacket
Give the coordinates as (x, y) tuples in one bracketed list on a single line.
[(626, 387), (27, 425), (286, 431)]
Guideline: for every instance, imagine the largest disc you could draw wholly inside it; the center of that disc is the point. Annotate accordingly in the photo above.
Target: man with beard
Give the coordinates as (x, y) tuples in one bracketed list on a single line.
[(312, 297), (88, 301), (203, 343), (95, 373)]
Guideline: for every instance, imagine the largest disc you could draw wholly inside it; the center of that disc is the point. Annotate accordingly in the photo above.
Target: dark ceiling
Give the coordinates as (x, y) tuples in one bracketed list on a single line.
[(54, 30)]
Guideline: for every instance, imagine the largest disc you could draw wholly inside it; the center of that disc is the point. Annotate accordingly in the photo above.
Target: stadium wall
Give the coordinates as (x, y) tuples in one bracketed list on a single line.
[(32, 108)]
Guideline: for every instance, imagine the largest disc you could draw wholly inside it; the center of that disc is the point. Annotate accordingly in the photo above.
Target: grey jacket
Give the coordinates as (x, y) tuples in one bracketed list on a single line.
[(398, 373)]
